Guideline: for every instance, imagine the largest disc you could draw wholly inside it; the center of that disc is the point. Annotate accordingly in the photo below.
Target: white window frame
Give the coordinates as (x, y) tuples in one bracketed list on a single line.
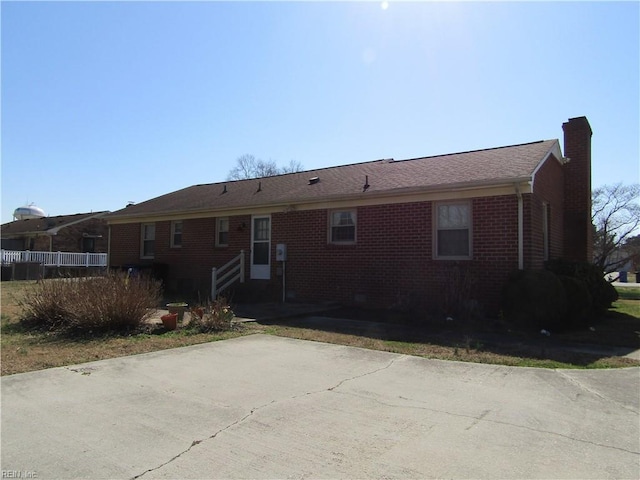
[(354, 215), (174, 224), (144, 239), (219, 222), (437, 228)]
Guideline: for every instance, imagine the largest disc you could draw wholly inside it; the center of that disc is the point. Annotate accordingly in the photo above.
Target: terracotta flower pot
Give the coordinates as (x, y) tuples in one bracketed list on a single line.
[(170, 321), (178, 308)]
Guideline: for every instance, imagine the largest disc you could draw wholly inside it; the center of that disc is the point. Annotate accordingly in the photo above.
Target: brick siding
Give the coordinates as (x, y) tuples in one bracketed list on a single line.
[(549, 189), (390, 264), (578, 231)]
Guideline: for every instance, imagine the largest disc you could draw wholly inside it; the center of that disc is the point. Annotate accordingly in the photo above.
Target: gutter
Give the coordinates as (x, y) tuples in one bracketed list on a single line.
[(520, 228), (206, 212)]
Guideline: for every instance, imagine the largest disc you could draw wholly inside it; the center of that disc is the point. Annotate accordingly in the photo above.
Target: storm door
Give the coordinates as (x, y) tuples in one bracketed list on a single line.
[(261, 247)]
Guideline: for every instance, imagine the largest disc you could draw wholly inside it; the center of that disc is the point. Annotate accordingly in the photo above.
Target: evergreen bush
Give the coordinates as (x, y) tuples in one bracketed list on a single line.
[(580, 313), (603, 294), (534, 299)]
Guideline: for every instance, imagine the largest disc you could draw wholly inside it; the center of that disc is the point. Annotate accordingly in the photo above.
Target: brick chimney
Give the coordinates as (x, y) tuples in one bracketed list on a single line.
[(578, 232)]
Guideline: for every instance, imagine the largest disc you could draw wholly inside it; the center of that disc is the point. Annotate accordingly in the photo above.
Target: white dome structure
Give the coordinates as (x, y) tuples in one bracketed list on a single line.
[(28, 211)]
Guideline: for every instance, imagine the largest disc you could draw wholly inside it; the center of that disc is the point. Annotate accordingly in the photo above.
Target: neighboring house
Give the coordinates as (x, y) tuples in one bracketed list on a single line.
[(82, 232), (377, 233)]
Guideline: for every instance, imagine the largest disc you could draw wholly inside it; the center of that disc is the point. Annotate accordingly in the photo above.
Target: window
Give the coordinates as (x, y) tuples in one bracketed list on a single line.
[(342, 226), (176, 234), (222, 229), (88, 245), (453, 230), (148, 240), (545, 231)]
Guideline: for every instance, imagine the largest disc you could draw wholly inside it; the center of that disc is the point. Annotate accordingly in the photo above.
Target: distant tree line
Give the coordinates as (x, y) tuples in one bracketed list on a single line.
[(248, 166)]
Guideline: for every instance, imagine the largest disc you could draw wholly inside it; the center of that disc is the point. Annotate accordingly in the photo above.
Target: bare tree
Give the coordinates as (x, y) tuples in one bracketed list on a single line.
[(294, 166), (247, 166), (616, 218)]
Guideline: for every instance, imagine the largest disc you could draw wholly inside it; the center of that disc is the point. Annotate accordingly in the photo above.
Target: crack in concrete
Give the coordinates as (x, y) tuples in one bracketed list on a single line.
[(197, 442), (339, 384), (481, 418), (255, 409), (580, 385)]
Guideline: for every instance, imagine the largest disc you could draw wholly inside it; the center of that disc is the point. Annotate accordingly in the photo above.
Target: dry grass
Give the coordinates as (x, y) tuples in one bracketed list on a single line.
[(23, 351), (465, 350)]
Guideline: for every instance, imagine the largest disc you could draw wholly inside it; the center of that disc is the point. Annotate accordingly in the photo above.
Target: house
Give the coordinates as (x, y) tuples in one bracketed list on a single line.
[(378, 233), (82, 232)]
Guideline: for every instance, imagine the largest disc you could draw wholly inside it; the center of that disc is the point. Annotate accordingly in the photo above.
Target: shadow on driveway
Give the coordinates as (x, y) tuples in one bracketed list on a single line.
[(448, 334)]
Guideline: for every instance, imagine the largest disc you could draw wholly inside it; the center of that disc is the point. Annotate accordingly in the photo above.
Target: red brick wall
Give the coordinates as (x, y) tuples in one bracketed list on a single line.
[(578, 232), (391, 263), (124, 247), (495, 251), (548, 188), (189, 266)]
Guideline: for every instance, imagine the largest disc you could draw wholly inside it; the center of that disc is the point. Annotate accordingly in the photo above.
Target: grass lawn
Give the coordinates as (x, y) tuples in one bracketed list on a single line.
[(23, 350)]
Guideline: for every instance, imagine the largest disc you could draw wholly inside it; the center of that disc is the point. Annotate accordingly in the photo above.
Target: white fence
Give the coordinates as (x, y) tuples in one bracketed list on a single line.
[(55, 259)]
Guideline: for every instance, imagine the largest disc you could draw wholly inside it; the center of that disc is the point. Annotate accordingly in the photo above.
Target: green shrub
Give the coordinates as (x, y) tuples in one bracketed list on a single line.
[(534, 299), (603, 294), (111, 302), (213, 317), (580, 313)]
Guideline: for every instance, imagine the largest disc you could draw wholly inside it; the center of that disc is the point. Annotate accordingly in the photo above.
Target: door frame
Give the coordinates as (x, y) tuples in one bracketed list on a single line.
[(260, 272)]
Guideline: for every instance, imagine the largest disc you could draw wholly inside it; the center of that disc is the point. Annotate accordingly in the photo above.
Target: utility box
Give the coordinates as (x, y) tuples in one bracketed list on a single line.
[(281, 252)]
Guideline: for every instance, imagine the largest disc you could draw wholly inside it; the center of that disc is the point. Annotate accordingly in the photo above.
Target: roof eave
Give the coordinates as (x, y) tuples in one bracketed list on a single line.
[(55, 230), (524, 181)]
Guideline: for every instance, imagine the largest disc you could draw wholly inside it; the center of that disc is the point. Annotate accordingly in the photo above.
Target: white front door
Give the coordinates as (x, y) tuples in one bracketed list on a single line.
[(261, 247)]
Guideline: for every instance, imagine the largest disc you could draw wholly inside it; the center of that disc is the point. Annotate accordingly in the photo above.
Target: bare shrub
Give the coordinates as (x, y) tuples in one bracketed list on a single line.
[(112, 302), (458, 294), (214, 317)]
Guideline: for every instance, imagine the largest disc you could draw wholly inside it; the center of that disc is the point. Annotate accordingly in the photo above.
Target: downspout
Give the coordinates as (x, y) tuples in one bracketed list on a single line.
[(520, 228)]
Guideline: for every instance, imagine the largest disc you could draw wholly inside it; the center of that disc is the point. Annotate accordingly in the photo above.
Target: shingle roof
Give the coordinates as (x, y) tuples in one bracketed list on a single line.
[(494, 166), (41, 225)]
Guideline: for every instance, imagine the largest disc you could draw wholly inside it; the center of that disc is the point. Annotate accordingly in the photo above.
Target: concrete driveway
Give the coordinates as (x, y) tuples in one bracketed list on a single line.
[(268, 407)]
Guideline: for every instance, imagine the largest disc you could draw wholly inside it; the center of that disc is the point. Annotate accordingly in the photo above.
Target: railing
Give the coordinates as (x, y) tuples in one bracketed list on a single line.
[(55, 259), (227, 274)]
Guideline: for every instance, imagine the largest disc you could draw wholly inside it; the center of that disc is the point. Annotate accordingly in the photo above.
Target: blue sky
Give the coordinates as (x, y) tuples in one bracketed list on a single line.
[(105, 103)]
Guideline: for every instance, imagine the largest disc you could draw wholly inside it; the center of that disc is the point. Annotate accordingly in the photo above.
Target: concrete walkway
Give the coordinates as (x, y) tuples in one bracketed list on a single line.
[(268, 407)]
